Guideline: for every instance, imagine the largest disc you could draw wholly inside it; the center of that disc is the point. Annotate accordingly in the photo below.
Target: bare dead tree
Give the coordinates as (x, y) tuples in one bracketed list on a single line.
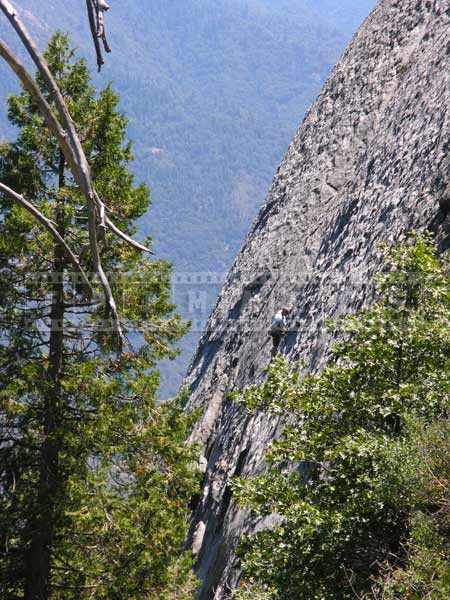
[(96, 14), (62, 127)]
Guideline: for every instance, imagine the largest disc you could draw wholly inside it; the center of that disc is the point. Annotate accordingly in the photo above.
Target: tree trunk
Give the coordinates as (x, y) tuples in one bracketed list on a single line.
[(38, 567)]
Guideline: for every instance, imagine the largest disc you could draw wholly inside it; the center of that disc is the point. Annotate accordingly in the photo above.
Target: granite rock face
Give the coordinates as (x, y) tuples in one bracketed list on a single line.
[(369, 164)]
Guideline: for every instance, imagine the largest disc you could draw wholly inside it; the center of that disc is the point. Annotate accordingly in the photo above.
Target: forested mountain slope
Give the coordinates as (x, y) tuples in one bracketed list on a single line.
[(369, 163), (214, 92)]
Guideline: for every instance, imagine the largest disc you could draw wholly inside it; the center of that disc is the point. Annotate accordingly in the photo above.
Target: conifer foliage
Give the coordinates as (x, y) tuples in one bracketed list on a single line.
[(95, 477)]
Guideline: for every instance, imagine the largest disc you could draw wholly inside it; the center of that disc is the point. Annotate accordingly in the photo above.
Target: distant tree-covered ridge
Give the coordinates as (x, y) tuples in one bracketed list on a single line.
[(360, 479), (95, 477), (214, 91)]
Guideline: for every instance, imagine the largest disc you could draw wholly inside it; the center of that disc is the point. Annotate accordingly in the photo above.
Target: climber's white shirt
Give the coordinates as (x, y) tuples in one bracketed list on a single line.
[(279, 321)]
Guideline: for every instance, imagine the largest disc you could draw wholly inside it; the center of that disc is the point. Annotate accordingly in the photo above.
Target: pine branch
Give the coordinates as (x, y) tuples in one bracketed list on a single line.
[(71, 147), (82, 171), (61, 135), (49, 225)]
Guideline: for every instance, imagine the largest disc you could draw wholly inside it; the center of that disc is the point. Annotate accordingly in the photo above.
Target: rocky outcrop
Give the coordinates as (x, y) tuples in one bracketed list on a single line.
[(369, 163)]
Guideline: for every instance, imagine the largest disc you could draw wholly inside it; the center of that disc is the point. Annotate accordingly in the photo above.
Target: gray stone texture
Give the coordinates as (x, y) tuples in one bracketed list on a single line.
[(369, 164)]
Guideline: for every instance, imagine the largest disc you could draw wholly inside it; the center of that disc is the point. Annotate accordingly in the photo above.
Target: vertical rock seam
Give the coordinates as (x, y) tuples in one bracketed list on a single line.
[(369, 164)]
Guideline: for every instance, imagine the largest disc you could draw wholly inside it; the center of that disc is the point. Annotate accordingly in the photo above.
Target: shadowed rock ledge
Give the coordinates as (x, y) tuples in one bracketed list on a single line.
[(369, 163)]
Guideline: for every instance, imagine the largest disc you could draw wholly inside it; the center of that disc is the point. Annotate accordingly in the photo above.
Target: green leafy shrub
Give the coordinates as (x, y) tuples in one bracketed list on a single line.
[(344, 478), (423, 470)]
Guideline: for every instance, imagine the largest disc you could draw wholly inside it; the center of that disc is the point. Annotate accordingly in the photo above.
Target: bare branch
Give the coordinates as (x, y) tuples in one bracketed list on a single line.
[(125, 237), (98, 51), (49, 225), (50, 118), (68, 124), (96, 10), (77, 163), (106, 46), (100, 24), (70, 144), (101, 7)]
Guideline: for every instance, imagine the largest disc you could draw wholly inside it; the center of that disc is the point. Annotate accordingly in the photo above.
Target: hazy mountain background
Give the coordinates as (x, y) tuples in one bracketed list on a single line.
[(214, 91)]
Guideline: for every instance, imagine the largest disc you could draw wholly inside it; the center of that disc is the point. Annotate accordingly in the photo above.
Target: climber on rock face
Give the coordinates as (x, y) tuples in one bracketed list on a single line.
[(279, 327)]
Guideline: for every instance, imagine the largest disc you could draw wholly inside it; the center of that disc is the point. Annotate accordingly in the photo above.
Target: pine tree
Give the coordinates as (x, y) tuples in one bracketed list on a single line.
[(95, 475)]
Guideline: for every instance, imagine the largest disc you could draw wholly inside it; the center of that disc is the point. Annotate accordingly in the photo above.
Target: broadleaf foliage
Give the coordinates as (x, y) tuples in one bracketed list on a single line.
[(360, 476)]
